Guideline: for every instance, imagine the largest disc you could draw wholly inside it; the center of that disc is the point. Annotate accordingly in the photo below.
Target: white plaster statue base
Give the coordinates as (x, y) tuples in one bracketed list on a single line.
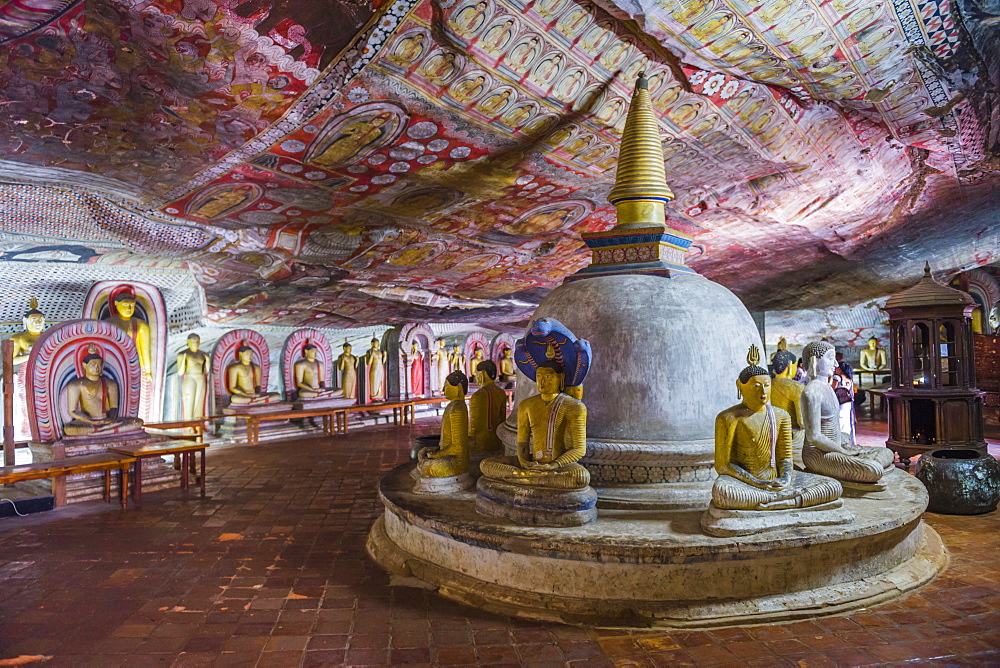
[(452, 483), (723, 523), (655, 568)]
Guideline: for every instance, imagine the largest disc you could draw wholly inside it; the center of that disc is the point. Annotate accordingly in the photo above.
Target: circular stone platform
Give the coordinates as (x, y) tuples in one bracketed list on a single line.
[(653, 568)]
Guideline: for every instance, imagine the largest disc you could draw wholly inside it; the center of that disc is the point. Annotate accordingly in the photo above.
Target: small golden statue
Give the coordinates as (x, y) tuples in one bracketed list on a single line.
[(92, 402), (507, 368), (551, 438), (309, 375), (375, 361), (446, 467), (347, 364), (193, 367), (874, 358), (243, 378), (455, 361), (827, 450), (753, 453), (487, 410), (34, 325)]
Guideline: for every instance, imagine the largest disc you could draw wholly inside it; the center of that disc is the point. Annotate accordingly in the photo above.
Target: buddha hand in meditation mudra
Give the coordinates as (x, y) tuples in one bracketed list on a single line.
[(451, 457), (309, 375), (243, 378), (551, 438), (753, 453), (827, 451), (92, 402)]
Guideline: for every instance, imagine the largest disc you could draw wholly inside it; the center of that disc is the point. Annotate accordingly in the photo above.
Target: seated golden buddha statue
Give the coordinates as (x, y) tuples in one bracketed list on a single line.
[(487, 410), (451, 457), (243, 379), (786, 394), (873, 358), (551, 438), (309, 375), (746, 435), (92, 402), (827, 451)]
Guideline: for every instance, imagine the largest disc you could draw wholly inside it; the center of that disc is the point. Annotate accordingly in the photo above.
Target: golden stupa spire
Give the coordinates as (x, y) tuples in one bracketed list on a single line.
[(641, 182)]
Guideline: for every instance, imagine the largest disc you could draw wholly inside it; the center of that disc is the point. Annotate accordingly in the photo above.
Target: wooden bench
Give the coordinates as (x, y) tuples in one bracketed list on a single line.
[(105, 463), (253, 420), (179, 447)]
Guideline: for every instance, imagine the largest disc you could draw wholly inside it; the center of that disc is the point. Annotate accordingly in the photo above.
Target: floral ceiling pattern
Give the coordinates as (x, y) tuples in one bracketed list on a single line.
[(351, 162)]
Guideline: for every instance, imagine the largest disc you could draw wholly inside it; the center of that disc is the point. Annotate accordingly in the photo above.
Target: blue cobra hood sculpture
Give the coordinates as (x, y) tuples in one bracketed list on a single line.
[(548, 339)]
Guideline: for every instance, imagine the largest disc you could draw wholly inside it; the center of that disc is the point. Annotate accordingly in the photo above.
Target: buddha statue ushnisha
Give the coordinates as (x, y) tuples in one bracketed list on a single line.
[(243, 379), (827, 451), (92, 401), (487, 410), (753, 453), (310, 375), (451, 457), (551, 438)]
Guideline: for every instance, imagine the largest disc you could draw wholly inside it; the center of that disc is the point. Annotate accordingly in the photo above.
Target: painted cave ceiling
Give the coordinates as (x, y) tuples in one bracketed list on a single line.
[(345, 162)]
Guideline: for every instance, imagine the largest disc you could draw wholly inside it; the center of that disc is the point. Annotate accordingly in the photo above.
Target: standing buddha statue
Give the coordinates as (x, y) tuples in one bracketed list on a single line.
[(347, 364), (440, 364), (375, 363), (455, 361), (193, 367), (34, 325), (416, 360)]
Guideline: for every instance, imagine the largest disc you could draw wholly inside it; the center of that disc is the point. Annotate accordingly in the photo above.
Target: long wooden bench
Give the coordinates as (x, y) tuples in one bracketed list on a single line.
[(105, 463)]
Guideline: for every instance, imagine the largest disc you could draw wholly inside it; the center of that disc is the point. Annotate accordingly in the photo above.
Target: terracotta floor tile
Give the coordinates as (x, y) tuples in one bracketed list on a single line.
[(299, 589)]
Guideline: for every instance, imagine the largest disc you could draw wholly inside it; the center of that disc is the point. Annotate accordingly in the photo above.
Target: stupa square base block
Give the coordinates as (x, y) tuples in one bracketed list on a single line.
[(156, 473), (535, 506), (721, 522), (651, 568), (452, 483)]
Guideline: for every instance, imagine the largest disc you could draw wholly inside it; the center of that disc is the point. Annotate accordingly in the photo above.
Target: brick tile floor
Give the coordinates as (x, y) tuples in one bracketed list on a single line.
[(270, 570)]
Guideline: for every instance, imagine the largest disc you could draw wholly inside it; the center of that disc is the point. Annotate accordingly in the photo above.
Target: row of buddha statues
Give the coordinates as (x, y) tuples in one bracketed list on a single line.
[(138, 311), (780, 455)]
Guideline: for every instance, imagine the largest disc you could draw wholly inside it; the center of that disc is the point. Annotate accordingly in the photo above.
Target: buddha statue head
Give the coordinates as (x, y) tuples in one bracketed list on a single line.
[(872, 343), (310, 351), (486, 372), (93, 363), (549, 378), (820, 359), (347, 347), (193, 342), (414, 349), (374, 343), (34, 320), (457, 349), (244, 354), (440, 343), (125, 305), (456, 386), (754, 382), (783, 364)]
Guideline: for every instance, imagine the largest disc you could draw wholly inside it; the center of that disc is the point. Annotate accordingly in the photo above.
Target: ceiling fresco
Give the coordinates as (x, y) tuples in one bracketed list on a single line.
[(349, 163)]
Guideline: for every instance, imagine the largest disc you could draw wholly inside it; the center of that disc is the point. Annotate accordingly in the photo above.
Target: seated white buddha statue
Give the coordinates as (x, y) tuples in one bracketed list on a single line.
[(827, 450), (92, 402), (753, 454), (243, 379)]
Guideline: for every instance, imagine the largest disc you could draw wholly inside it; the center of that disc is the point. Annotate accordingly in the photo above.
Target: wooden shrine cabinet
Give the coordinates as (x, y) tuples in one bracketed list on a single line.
[(933, 401)]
